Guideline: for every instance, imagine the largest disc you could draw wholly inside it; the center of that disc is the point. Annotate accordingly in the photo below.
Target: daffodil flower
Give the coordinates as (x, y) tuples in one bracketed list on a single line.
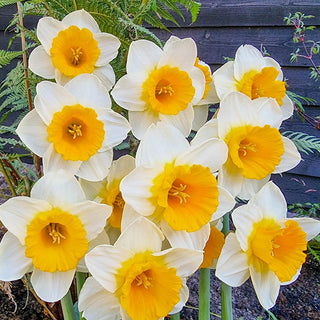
[(174, 184), (73, 46), (266, 246), (108, 191), (73, 127), (254, 75), (250, 128), (160, 84), (134, 279), (48, 233)]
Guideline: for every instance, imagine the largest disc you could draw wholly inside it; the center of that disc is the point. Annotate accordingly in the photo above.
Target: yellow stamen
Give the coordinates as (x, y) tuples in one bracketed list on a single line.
[(54, 232), (164, 90), (75, 130), (178, 192), (76, 53), (244, 147), (143, 279), (119, 202)]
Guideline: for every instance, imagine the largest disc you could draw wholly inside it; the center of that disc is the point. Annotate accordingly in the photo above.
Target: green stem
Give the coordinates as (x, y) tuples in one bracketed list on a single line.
[(175, 316), (6, 176), (80, 278), (204, 294), (67, 307), (226, 291)]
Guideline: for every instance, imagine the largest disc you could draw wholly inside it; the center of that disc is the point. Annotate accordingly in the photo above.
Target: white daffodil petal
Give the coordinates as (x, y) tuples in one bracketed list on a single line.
[(224, 80), (41, 64), (310, 226), (91, 188), (16, 214), (108, 45), (85, 210), (58, 188), (277, 208), (97, 167), (200, 116), (51, 286), (106, 75), (184, 296), (182, 121), (181, 53), (89, 91), (266, 285), (13, 262), (208, 131), (183, 239), (100, 239), (250, 187), (232, 266), (287, 107), (53, 161), (269, 62), (241, 108), (140, 122), (47, 29), (247, 58), (198, 82), (134, 236), (143, 55), (185, 261), (52, 98), (129, 215), (104, 261), (212, 153), (226, 203), (269, 112), (136, 189), (27, 127), (232, 181), (81, 19), (170, 142), (116, 127), (127, 92), (120, 168), (291, 157), (243, 218), (98, 303)]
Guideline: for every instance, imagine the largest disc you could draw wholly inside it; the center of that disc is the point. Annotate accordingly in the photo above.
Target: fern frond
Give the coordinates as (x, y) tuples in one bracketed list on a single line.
[(304, 142), (4, 3), (193, 6), (7, 56)]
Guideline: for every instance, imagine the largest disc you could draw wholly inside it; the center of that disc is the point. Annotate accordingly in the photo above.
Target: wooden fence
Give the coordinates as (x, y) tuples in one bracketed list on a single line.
[(222, 26)]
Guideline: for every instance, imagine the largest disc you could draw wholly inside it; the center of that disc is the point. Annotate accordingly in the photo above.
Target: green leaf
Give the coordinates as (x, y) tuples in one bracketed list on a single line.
[(7, 56), (304, 142), (4, 3)]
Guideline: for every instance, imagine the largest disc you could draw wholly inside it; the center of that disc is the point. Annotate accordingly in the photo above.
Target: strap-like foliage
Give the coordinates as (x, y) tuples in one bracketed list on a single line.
[(304, 142)]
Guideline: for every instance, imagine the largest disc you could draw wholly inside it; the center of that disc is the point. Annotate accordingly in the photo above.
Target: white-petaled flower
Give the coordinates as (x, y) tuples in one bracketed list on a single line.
[(73, 127), (49, 233), (138, 280), (73, 46), (250, 128), (108, 191), (175, 186), (266, 246), (160, 84), (254, 75)]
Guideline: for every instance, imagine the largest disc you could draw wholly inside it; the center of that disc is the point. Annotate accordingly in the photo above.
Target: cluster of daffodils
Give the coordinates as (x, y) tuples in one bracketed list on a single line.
[(140, 226)]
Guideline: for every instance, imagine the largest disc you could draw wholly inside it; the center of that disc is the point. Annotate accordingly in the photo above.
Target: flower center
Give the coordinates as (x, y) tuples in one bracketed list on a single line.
[(56, 241), (168, 90), (178, 192), (143, 279), (119, 202), (76, 54), (74, 51), (186, 196), (54, 232), (76, 132), (256, 84), (148, 289), (279, 247), (256, 151)]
